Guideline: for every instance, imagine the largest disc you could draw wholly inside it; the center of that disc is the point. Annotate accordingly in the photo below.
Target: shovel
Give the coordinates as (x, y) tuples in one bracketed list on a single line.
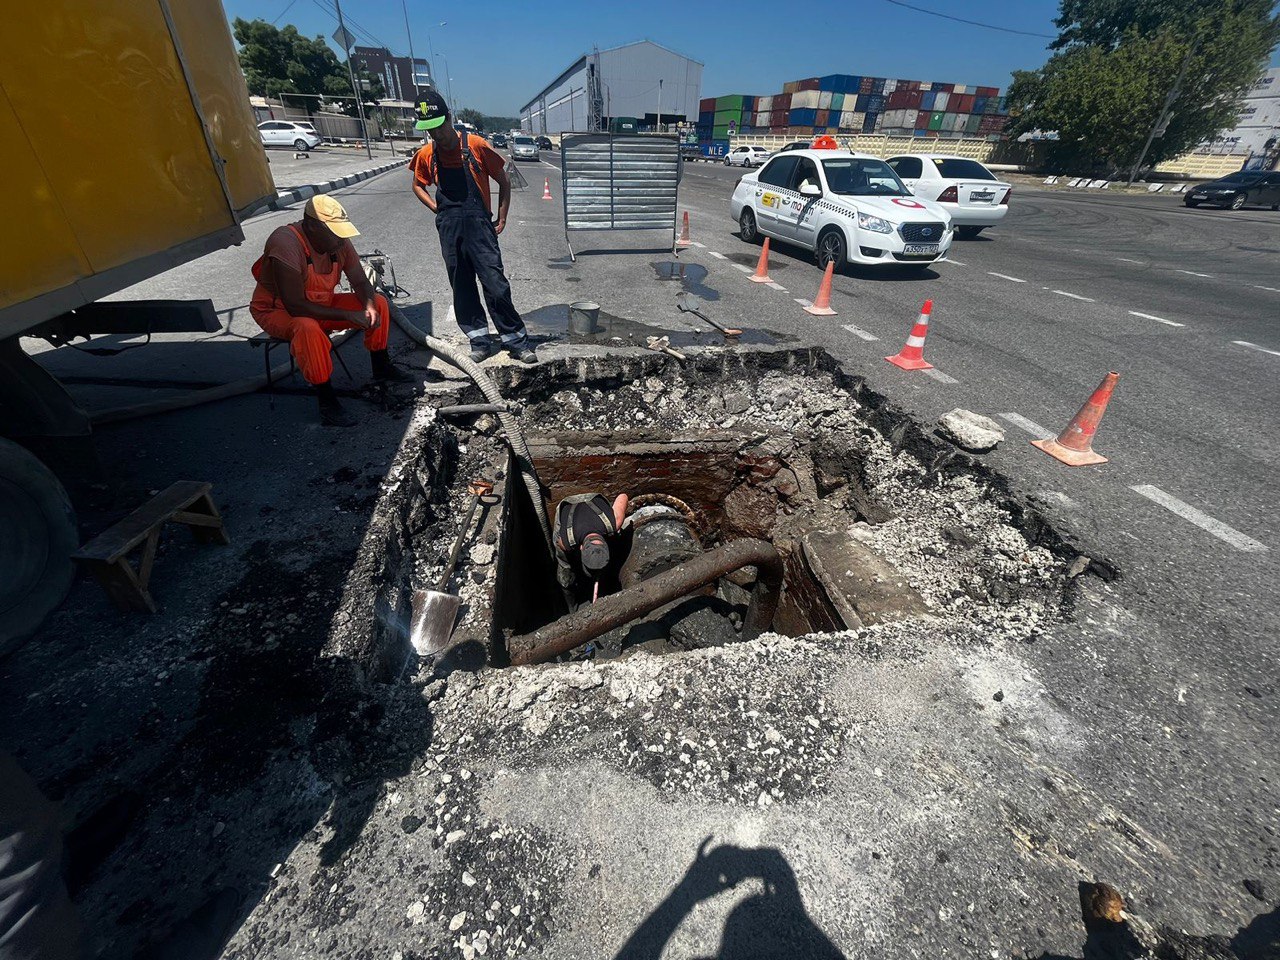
[(434, 612), (688, 303), (663, 345)]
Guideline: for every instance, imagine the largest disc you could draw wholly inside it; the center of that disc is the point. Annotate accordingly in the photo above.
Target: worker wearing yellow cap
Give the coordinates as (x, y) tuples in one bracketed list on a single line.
[(295, 299)]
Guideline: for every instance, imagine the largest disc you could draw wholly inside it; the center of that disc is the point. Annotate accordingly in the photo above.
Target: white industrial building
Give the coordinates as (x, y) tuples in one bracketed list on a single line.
[(642, 80), (1259, 119)]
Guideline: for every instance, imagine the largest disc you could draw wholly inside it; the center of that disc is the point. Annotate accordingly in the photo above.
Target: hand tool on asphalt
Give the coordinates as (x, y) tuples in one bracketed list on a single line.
[(434, 612), (663, 345), (688, 303)]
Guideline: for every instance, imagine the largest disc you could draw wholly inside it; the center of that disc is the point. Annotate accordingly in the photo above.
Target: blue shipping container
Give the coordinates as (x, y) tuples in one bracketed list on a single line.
[(802, 117), (877, 85), (748, 104), (869, 123), (979, 104), (926, 100), (863, 103), (716, 148), (707, 116), (875, 103), (922, 133)]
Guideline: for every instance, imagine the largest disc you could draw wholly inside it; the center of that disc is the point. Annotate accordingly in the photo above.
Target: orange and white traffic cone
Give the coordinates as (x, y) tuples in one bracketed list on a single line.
[(684, 240), (911, 356), (821, 306), (1074, 445), (546, 188), (762, 268)]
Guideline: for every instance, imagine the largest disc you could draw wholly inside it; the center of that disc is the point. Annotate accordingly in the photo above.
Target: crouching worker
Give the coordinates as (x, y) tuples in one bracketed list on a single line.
[(294, 300), (587, 532)]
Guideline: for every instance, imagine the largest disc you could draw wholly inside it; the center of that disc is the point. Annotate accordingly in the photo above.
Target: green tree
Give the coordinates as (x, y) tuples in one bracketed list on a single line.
[(277, 61), (473, 118), (1116, 64)]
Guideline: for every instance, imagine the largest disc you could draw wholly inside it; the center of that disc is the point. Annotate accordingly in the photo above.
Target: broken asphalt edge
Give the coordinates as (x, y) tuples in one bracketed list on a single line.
[(284, 198)]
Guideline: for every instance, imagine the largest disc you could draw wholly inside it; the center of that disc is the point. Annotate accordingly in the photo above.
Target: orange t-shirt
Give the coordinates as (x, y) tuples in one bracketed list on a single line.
[(450, 164)]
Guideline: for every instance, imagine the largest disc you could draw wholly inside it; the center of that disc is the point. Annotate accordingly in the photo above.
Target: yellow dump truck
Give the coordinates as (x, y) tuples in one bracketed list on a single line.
[(127, 147)]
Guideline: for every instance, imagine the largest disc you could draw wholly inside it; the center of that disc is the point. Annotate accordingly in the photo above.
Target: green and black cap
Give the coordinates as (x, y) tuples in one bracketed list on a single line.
[(432, 111)]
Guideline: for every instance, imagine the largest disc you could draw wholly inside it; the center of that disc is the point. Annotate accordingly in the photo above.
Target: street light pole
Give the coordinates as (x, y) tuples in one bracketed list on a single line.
[(413, 66), (351, 72)]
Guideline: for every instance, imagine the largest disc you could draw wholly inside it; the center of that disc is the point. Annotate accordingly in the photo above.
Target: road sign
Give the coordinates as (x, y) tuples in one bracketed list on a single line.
[(343, 38)]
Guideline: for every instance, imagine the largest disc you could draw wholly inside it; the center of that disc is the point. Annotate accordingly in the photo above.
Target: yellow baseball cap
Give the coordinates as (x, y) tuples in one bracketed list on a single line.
[(329, 212)]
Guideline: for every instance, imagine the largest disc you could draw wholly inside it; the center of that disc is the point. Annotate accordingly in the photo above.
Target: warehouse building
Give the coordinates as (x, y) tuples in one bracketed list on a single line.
[(637, 80)]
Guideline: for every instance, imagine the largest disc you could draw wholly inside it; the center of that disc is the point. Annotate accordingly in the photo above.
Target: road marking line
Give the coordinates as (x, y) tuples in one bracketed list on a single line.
[(1192, 273), (859, 332), (1127, 260), (1074, 296), (774, 285), (1033, 428), (1149, 316), (803, 302), (939, 376), (718, 256), (1269, 289), (956, 262), (738, 266), (1003, 276), (695, 243), (1254, 346), (1201, 520)]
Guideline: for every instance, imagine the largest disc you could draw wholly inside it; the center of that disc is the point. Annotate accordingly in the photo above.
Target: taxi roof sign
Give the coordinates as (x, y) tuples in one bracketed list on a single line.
[(825, 142)]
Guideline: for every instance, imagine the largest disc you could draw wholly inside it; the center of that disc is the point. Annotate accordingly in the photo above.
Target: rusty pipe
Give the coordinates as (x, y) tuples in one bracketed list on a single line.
[(615, 610)]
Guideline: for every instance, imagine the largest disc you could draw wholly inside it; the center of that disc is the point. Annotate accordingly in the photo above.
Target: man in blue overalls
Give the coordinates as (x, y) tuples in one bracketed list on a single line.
[(460, 169)]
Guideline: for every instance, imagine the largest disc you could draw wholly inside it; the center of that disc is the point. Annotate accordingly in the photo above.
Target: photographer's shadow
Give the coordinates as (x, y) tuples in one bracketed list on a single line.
[(771, 923)]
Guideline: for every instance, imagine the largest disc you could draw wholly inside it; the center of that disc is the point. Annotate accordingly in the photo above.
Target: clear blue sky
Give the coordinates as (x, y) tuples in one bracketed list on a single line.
[(501, 53)]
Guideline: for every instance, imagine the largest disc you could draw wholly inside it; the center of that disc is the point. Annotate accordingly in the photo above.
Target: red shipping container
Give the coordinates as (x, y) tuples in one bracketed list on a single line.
[(988, 91), (823, 118), (913, 100), (813, 83), (922, 121), (897, 100), (943, 87), (782, 101), (707, 105), (962, 103)]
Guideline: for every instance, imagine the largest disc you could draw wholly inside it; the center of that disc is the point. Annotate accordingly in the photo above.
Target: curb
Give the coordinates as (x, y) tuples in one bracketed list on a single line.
[(286, 197)]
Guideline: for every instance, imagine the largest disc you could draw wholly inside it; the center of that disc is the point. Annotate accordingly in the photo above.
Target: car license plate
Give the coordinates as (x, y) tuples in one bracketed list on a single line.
[(982, 197), (920, 249)]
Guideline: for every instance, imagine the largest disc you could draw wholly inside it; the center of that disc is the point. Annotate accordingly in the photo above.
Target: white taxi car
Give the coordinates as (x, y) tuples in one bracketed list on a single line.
[(974, 196), (846, 207)]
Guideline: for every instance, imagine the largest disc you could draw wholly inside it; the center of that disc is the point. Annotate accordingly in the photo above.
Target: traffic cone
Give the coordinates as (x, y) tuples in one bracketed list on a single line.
[(684, 240), (821, 306), (762, 268), (546, 188), (1074, 445), (911, 356)]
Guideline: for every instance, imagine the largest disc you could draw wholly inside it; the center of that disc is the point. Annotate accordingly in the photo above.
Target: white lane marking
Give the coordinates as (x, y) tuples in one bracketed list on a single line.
[(1004, 277), (1192, 273), (774, 285), (859, 332), (718, 256), (738, 266), (1257, 286), (1201, 520), (1149, 316), (1033, 428), (695, 243), (803, 302), (939, 376), (1127, 260), (1254, 346), (956, 262), (1074, 296)]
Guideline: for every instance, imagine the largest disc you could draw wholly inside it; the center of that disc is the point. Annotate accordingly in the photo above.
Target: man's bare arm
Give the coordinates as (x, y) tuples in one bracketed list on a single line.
[(504, 197), (292, 290), (421, 193)]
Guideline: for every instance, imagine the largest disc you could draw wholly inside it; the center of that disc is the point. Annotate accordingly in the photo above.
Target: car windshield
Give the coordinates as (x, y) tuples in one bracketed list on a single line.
[(953, 168), (524, 141), (856, 177)]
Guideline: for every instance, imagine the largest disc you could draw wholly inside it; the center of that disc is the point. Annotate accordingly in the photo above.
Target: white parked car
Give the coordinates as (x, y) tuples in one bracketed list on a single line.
[(974, 196), (286, 133), (846, 207), (746, 157)]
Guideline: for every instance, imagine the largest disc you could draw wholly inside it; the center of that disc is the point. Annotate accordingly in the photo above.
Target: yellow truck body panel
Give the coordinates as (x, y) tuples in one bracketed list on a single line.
[(128, 145)]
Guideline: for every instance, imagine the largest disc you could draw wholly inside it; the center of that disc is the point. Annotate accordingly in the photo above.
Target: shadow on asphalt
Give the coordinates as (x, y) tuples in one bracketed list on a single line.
[(788, 254)]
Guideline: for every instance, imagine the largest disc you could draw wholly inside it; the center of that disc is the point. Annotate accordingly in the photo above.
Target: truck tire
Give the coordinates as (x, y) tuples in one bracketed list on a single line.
[(38, 535)]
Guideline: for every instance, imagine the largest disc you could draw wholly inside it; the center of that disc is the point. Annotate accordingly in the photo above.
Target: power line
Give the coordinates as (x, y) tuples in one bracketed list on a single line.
[(972, 23), (283, 12), (357, 30)]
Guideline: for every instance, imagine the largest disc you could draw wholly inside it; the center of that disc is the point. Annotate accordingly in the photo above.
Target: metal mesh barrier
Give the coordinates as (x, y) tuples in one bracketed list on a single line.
[(620, 182)]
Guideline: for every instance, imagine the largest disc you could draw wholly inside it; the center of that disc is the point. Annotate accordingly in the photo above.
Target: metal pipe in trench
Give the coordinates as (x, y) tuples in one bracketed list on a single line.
[(621, 608)]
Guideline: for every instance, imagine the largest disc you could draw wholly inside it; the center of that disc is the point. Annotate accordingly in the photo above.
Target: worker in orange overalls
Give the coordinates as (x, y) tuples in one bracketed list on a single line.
[(294, 300)]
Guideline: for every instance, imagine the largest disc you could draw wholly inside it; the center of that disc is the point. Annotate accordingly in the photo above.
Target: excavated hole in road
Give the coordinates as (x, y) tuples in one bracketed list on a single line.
[(876, 520)]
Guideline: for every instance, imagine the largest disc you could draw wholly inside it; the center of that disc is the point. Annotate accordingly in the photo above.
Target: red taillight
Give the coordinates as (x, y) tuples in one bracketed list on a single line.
[(1007, 194), (949, 195)]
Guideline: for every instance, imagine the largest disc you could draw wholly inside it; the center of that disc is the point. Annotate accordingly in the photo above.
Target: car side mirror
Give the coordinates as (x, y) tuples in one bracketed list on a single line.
[(809, 190)]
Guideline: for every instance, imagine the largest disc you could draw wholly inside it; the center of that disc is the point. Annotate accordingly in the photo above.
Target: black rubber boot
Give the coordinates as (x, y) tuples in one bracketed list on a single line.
[(385, 370), (482, 350), (332, 413), (524, 353)]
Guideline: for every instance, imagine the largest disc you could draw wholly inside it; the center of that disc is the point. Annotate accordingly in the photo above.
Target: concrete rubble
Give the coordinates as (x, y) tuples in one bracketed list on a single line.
[(970, 431)]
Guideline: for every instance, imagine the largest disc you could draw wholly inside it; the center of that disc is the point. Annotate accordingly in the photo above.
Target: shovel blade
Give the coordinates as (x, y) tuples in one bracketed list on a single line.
[(687, 302), (432, 621)]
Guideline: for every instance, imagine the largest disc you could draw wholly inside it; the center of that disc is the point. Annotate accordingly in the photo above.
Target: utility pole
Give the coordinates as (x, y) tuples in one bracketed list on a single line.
[(659, 125), (1162, 122), (351, 72), (413, 66)]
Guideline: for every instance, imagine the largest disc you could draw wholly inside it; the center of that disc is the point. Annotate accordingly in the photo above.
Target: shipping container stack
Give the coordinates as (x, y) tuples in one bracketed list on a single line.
[(846, 104)]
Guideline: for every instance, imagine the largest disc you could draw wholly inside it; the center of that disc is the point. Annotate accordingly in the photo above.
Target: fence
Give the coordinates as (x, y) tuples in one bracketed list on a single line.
[(883, 145)]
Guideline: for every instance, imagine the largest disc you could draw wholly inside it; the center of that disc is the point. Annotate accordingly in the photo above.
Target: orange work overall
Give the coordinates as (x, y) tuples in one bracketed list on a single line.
[(309, 338)]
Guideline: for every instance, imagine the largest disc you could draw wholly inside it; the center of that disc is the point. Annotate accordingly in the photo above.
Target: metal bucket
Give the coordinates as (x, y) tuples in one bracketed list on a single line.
[(584, 317)]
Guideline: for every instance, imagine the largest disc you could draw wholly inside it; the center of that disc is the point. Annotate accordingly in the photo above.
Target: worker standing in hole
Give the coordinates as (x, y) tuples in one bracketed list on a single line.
[(460, 168), (588, 534), (295, 299)]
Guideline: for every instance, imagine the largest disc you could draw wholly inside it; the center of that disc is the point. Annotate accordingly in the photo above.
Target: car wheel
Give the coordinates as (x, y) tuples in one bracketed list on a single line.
[(1275, 206), (726, 162), (300, 146), (1238, 200), (831, 249), (747, 226), (968, 233)]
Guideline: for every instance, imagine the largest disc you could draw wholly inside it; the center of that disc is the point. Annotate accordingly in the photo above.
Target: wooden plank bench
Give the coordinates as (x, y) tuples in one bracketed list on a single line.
[(107, 555)]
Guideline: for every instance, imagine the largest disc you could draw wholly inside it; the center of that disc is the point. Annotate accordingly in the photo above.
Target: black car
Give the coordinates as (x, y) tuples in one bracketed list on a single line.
[(1256, 187), (544, 143), (797, 145), (499, 140)]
